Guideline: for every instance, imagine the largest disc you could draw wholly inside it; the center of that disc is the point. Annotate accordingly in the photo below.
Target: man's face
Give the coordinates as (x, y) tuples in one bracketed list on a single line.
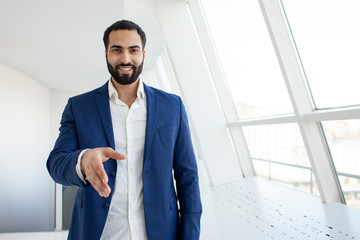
[(125, 56)]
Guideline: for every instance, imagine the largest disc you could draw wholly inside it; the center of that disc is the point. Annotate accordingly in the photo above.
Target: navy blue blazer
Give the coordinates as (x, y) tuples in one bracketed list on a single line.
[(168, 154)]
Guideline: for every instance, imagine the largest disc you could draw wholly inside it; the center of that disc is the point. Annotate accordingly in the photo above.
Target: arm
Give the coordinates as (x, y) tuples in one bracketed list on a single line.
[(64, 157), (187, 182)]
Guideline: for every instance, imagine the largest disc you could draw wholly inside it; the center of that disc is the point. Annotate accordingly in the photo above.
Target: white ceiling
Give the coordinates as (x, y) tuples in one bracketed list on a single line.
[(59, 42)]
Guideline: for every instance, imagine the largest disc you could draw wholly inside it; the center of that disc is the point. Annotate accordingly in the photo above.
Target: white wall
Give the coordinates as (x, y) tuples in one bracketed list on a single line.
[(58, 100), (27, 192)]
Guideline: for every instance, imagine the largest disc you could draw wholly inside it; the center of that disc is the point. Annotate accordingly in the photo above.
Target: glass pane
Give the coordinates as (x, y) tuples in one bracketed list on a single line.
[(327, 35), (275, 147), (350, 187), (298, 178), (277, 142), (262, 168), (343, 138), (248, 58)]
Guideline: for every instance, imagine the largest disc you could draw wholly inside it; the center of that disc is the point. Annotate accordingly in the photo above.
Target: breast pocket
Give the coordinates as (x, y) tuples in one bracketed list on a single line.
[(167, 135), (165, 129), (165, 139)]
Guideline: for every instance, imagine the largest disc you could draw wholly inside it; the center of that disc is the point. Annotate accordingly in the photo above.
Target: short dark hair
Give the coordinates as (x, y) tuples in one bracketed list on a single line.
[(124, 25)]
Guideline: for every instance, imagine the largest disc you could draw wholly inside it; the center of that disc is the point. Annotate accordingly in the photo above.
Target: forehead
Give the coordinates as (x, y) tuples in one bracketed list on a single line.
[(124, 38)]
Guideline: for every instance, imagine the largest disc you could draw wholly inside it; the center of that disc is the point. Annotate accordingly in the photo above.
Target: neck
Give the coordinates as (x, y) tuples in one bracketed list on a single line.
[(127, 93)]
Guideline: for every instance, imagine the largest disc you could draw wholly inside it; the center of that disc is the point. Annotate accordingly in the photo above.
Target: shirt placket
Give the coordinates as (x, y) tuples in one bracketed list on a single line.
[(130, 167)]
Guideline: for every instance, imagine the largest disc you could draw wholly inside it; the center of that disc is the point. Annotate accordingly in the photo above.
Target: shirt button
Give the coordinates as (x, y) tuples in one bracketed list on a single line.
[(112, 174), (106, 205)]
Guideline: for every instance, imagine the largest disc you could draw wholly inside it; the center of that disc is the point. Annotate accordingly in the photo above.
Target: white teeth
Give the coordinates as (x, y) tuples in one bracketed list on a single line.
[(125, 68)]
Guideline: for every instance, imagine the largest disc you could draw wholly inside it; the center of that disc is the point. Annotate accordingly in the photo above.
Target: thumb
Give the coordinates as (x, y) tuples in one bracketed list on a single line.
[(110, 153)]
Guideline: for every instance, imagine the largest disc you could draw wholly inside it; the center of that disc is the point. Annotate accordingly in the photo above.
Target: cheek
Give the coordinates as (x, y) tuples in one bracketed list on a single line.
[(111, 58), (139, 60), (114, 62)]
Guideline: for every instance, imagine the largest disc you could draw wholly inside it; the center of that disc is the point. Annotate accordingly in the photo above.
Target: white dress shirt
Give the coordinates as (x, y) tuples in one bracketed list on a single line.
[(125, 220)]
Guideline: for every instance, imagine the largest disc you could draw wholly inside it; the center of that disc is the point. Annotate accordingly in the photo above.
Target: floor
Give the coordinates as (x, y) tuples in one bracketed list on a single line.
[(255, 209)]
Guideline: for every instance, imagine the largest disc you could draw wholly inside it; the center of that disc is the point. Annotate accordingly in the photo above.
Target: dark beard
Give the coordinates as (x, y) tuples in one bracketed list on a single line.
[(125, 79)]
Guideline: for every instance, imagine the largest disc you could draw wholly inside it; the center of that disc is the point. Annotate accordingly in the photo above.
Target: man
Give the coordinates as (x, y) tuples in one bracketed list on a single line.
[(121, 145)]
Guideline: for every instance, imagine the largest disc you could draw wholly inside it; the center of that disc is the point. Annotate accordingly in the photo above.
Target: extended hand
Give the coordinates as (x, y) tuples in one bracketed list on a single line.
[(93, 169)]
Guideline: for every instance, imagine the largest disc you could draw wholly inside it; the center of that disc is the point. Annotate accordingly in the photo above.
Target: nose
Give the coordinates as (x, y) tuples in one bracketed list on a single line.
[(125, 58)]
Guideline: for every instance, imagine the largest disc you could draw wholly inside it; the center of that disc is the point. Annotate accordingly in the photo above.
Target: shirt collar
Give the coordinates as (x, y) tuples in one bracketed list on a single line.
[(113, 95)]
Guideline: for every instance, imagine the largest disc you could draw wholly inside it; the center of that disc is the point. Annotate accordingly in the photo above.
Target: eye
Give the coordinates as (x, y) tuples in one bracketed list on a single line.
[(134, 50)]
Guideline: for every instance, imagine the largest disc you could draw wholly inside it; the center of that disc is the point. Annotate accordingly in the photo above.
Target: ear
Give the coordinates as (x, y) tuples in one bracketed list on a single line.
[(144, 53)]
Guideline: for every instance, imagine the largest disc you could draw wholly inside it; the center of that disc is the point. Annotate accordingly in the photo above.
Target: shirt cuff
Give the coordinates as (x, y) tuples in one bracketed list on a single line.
[(78, 166)]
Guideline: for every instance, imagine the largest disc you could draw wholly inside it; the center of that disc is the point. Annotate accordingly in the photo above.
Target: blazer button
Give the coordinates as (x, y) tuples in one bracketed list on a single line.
[(106, 205), (112, 174)]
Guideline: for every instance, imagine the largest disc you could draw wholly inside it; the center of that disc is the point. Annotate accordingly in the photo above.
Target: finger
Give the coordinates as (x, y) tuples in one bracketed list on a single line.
[(110, 153), (100, 172), (103, 189), (98, 183)]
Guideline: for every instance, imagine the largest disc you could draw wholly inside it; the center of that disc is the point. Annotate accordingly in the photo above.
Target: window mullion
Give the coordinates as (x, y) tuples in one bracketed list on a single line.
[(294, 77)]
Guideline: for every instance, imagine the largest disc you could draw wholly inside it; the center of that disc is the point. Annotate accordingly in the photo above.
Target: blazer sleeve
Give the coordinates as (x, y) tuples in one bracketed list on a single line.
[(187, 182), (62, 160)]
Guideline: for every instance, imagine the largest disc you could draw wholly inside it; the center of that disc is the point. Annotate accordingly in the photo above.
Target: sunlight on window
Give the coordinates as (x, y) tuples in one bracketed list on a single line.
[(248, 58), (327, 35), (279, 155), (343, 138)]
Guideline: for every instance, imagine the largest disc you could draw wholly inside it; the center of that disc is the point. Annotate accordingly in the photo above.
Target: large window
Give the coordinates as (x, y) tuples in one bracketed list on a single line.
[(258, 90), (312, 47), (327, 37)]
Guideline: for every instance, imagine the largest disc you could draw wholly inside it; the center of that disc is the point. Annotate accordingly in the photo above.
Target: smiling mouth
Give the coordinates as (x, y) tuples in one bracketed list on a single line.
[(125, 69)]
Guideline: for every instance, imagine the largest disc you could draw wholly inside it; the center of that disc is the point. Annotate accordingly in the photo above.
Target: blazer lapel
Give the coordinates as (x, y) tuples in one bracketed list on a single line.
[(102, 102), (151, 119)]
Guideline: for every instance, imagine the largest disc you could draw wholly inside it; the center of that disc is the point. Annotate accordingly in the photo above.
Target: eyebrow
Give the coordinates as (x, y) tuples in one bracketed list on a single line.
[(121, 47)]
